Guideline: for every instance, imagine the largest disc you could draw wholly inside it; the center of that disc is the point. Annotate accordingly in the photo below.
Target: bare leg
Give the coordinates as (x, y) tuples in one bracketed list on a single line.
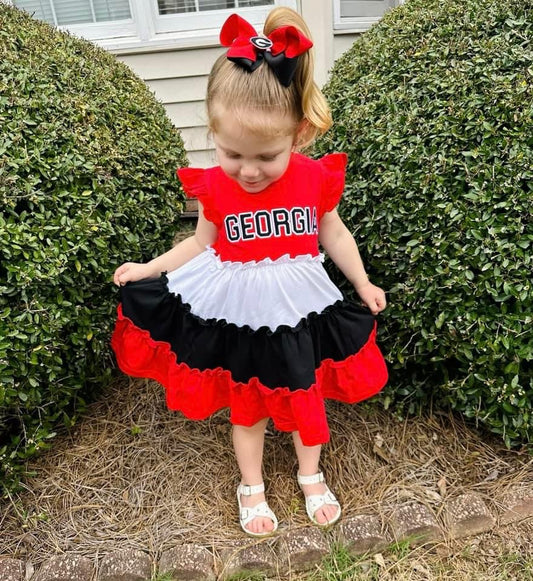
[(248, 445), (308, 461)]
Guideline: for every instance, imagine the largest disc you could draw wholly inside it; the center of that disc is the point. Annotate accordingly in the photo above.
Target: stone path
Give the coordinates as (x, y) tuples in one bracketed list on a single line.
[(292, 550)]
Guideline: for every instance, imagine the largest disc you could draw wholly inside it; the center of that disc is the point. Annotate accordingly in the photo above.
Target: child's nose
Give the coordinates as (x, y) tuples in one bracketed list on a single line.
[(249, 170)]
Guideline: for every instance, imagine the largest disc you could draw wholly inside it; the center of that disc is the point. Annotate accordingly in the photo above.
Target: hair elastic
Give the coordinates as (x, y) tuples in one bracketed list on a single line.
[(280, 49)]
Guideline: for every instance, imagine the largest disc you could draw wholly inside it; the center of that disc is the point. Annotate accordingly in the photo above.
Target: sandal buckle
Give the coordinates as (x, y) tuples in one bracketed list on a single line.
[(248, 490)]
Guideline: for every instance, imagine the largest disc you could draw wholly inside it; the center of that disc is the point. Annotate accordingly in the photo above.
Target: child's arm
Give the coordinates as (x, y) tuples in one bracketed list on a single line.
[(186, 250), (342, 249)]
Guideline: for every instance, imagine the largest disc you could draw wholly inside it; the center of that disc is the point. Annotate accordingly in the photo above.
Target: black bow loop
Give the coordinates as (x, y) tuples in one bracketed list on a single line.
[(283, 67)]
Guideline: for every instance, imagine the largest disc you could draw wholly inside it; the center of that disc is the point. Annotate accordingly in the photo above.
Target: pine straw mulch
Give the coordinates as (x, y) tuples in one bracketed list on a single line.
[(133, 475)]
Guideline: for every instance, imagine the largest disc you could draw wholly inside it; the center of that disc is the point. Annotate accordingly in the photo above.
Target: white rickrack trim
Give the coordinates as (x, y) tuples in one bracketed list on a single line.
[(265, 262)]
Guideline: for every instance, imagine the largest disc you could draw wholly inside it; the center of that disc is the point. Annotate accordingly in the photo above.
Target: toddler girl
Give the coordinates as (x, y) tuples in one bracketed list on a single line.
[(242, 314)]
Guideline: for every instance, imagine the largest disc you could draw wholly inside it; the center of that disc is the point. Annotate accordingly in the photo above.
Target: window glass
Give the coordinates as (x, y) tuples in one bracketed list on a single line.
[(176, 6), (181, 6), (364, 8), (67, 12), (359, 15), (42, 10)]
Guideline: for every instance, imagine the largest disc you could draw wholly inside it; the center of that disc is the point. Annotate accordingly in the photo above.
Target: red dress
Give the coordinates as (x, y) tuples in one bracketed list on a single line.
[(254, 323)]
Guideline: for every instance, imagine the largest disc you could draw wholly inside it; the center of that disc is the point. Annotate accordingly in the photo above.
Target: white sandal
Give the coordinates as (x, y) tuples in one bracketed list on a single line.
[(247, 514), (314, 502)]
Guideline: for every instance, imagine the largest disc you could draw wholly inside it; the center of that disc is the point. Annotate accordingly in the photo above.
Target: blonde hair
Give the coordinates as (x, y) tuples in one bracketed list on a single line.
[(260, 102)]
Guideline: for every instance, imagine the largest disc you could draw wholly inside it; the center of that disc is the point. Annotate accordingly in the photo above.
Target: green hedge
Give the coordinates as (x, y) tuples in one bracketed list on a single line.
[(434, 107), (86, 182)]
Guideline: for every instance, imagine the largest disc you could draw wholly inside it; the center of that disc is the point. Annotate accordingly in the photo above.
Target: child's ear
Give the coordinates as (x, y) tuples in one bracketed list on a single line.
[(301, 132)]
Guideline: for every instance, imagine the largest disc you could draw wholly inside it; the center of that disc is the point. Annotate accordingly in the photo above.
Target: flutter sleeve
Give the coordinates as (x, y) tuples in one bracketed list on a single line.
[(333, 174), (194, 182)]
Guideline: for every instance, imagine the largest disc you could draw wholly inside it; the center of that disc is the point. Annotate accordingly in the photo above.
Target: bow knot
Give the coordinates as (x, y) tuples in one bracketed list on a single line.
[(262, 43), (280, 49)]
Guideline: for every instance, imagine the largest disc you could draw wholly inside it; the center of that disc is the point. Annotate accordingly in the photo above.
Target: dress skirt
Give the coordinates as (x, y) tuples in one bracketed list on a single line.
[(271, 338)]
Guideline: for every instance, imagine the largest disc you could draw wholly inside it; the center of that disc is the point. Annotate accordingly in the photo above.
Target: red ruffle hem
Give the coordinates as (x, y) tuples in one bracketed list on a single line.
[(198, 394)]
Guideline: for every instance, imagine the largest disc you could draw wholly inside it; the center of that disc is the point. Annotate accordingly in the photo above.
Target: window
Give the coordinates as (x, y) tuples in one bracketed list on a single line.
[(145, 24), (65, 12), (181, 15), (178, 6), (358, 15)]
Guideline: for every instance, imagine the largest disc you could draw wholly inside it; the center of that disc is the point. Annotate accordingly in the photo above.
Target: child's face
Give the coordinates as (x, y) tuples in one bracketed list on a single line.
[(252, 160)]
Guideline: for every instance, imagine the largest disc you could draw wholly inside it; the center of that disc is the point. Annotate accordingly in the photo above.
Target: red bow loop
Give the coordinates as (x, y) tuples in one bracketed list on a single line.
[(235, 27), (236, 33), (290, 40)]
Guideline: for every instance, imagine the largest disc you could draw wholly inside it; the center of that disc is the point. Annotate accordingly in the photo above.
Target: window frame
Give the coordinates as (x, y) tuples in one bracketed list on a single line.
[(346, 25), (208, 19), (148, 31)]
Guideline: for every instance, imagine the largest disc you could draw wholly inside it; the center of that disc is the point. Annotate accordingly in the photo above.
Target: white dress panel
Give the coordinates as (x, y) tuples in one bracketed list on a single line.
[(265, 293)]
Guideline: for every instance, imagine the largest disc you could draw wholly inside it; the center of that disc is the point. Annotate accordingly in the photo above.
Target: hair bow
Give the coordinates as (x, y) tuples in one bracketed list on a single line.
[(280, 49)]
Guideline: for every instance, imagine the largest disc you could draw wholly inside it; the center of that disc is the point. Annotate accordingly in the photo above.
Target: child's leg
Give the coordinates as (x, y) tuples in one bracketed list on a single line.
[(308, 461), (248, 444)]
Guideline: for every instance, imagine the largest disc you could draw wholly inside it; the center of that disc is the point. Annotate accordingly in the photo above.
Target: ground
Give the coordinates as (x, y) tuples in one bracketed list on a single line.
[(132, 474)]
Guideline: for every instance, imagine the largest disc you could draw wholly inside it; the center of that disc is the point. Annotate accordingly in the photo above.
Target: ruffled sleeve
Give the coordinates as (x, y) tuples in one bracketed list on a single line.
[(333, 174), (194, 182)]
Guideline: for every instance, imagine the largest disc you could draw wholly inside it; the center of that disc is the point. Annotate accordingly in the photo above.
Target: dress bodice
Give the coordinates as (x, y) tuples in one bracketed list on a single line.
[(282, 219)]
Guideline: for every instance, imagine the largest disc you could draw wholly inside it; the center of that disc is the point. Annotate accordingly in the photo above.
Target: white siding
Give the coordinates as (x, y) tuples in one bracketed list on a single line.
[(177, 63), (187, 114), (178, 89), (202, 158), (179, 81), (342, 42)]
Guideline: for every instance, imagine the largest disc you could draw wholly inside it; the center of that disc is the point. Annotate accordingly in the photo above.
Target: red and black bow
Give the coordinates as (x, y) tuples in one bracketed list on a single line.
[(280, 49)]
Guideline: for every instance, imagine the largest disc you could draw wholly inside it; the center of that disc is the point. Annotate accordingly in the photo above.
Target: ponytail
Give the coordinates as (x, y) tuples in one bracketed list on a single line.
[(315, 109)]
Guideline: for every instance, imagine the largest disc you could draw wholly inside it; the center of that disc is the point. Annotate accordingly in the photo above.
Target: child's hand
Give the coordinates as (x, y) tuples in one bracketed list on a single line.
[(373, 297), (131, 271)]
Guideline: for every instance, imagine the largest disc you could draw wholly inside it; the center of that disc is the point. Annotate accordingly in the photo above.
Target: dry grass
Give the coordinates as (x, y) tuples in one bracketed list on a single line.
[(134, 475)]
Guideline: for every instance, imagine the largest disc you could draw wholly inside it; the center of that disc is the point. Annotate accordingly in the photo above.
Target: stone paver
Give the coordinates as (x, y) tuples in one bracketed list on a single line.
[(414, 521), (66, 568), (248, 557), (188, 563), (468, 515), (517, 504), (363, 533), (126, 565), (302, 549), (11, 570)]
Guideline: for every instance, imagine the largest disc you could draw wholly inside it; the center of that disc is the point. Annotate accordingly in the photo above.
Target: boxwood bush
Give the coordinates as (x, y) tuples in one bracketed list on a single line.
[(434, 107), (87, 160)]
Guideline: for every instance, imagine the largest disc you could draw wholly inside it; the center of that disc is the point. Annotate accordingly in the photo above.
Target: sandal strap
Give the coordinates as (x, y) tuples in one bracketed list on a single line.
[(247, 490), (313, 479), (247, 514), (316, 501)]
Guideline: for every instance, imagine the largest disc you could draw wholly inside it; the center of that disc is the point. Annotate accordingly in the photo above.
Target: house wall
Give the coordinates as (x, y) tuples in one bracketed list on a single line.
[(342, 42), (179, 78)]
